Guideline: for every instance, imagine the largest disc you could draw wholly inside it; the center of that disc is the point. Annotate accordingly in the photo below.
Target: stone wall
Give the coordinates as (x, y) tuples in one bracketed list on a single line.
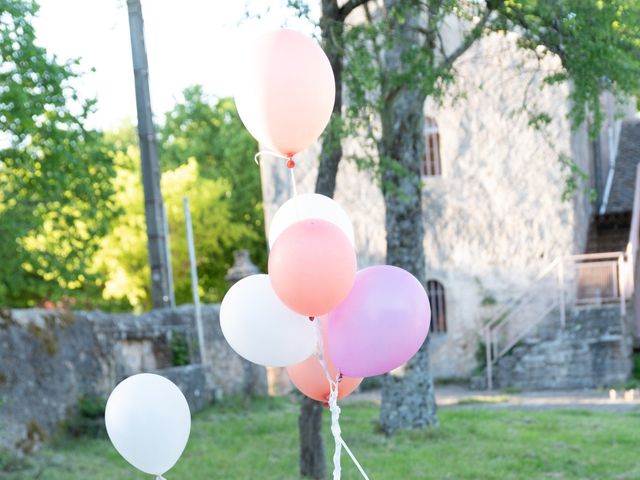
[(593, 350), (51, 359)]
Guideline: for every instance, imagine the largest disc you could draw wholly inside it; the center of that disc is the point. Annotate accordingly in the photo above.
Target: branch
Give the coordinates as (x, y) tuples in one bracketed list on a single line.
[(520, 19), (349, 7), (473, 35), (441, 45)]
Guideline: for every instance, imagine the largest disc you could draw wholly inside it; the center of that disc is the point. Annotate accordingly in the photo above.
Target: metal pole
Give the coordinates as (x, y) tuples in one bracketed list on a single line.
[(621, 286), (194, 277), (168, 254), (487, 342), (153, 206)]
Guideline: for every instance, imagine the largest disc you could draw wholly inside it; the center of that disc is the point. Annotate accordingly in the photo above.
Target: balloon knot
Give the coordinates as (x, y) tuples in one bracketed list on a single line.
[(340, 376), (312, 319), (291, 163)]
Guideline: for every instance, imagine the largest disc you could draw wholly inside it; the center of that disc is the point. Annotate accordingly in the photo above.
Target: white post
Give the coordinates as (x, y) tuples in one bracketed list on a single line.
[(194, 278), (621, 285), (167, 244), (561, 293), (487, 343)]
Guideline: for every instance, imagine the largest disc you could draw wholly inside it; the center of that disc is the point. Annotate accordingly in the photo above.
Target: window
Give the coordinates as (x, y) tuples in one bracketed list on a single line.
[(431, 164), (435, 291)]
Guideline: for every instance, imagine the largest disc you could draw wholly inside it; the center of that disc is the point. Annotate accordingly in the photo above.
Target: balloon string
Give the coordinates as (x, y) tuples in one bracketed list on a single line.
[(355, 460), (256, 157), (294, 191), (290, 165), (335, 412)]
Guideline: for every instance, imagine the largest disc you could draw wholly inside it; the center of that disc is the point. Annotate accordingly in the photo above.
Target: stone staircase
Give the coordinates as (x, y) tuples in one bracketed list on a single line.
[(594, 349), (575, 325)]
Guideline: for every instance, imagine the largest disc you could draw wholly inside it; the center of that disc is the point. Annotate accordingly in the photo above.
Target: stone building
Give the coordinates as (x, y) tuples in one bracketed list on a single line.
[(493, 202)]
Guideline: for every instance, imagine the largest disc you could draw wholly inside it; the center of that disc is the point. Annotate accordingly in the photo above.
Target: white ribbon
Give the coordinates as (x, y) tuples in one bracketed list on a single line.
[(256, 158), (335, 413)]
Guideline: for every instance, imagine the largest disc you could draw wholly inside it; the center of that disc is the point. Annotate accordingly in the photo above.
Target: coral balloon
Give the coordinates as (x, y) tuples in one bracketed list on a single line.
[(285, 90), (381, 324), (307, 206), (312, 267), (310, 378)]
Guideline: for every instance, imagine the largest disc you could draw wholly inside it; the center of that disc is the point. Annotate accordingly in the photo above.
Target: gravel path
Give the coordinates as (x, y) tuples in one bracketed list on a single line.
[(460, 397)]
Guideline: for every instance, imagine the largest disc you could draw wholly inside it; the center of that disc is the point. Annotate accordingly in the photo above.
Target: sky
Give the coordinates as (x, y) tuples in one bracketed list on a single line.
[(188, 42)]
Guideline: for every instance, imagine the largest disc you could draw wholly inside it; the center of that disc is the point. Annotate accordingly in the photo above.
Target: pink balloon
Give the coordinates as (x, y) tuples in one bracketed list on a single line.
[(312, 267), (381, 324), (310, 378), (285, 90)]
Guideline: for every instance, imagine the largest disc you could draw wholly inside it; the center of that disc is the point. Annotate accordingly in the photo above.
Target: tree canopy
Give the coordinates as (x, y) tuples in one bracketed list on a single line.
[(55, 174), (121, 262)]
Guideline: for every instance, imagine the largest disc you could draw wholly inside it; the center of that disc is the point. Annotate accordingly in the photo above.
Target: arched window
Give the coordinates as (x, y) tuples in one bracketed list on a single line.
[(431, 164), (435, 291)]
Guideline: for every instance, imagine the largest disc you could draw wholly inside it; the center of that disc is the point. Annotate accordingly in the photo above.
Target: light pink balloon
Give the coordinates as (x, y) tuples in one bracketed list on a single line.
[(285, 90), (381, 324)]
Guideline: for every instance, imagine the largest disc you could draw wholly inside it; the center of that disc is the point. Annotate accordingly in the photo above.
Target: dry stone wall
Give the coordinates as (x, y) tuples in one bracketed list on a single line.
[(49, 360), (593, 350)]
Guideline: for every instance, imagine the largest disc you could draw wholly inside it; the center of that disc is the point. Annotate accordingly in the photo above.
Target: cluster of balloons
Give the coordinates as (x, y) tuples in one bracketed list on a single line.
[(148, 421), (372, 321)]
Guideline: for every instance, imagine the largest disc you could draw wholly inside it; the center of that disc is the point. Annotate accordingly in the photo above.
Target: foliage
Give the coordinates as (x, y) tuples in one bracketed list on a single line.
[(179, 347), (597, 42), (211, 132), (92, 406), (55, 200), (88, 417), (259, 440), (122, 259)]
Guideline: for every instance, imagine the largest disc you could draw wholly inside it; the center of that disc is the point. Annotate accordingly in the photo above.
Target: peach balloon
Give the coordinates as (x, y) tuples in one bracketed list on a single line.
[(310, 378), (312, 267), (284, 90)]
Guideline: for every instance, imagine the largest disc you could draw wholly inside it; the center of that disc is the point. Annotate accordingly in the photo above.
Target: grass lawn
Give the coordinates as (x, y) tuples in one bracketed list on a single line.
[(258, 440)]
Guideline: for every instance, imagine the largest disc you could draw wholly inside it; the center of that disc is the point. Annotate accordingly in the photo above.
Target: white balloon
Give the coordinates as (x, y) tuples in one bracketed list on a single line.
[(307, 206), (260, 328), (148, 421)]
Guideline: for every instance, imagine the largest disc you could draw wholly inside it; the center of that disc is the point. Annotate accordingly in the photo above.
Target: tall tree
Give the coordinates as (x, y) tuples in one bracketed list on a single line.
[(218, 229), (399, 59), (396, 58), (55, 174), (332, 24)]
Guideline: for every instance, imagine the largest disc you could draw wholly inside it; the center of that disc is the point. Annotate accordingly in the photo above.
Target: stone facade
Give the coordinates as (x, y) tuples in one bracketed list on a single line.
[(495, 217), (51, 359), (593, 350)]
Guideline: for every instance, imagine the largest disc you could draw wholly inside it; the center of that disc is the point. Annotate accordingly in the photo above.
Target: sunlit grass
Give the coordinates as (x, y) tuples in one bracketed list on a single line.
[(483, 399), (258, 440)]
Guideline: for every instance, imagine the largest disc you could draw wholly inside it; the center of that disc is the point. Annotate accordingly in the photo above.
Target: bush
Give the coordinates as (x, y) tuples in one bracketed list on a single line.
[(88, 417), (179, 350)]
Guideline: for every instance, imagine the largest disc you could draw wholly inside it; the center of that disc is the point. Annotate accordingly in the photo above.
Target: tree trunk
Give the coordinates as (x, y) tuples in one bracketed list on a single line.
[(332, 26), (312, 454), (408, 400)]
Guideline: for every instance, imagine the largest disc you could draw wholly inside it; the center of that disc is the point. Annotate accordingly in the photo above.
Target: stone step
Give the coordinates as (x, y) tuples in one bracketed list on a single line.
[(593, 350)]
